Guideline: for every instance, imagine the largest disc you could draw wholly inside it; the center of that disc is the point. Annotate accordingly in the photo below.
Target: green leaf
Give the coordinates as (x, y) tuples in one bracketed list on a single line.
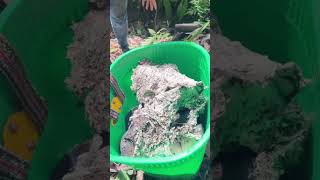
[(123, 176), (167, 9), (194, 34), (152, 32), (182, 9)]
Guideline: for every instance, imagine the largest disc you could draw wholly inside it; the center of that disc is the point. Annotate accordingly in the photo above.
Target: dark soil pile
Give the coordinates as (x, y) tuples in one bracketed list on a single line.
[(254, 107)]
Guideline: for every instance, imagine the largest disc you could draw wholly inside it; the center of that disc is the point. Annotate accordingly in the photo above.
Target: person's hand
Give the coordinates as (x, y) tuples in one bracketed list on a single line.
[(149, 4)]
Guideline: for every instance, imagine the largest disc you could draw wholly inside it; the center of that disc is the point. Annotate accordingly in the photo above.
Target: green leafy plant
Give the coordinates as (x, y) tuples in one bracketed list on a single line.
[(124, 172), (182, 9), (194, 34), (159, 36), (167, 5), (178, 11), (122, 175), (174, 10), (200, 9)]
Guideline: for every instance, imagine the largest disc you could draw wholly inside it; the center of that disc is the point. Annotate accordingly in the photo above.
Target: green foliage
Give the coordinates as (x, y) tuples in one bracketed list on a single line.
[(174, 10), (200, 9), (124, 172), (191, 97), (182, 9), (177, 11), (194, 34), (159, 36), (167, 8), (123, 176)]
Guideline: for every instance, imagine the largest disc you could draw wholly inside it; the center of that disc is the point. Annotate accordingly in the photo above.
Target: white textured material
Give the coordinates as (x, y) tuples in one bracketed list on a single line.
[(155, 129)]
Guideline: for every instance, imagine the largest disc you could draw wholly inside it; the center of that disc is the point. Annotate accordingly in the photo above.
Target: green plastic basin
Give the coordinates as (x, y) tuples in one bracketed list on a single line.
[(191, 60)]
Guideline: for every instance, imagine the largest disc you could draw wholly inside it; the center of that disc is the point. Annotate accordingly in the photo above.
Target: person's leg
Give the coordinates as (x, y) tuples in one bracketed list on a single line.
[(119, 22)]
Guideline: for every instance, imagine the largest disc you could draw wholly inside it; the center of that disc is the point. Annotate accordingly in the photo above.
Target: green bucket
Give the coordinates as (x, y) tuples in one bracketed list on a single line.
[(191, 60), (285, 30)]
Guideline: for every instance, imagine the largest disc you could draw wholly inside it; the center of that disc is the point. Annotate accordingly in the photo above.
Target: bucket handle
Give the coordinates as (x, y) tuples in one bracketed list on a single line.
[(115, 86)]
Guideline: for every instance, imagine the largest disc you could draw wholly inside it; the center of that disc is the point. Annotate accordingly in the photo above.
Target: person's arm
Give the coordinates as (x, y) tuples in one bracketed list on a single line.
[(149, 4)]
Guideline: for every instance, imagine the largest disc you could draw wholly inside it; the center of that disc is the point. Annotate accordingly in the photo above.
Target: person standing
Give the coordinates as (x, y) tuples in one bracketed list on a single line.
[(119, 19)]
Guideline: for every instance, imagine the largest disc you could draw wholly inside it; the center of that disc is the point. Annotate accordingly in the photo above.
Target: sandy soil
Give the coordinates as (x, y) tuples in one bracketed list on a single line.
[(88, 79), (88, 55)]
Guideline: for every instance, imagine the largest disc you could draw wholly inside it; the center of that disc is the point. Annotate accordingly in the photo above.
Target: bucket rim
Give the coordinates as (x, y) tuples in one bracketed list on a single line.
[(184, 43)]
